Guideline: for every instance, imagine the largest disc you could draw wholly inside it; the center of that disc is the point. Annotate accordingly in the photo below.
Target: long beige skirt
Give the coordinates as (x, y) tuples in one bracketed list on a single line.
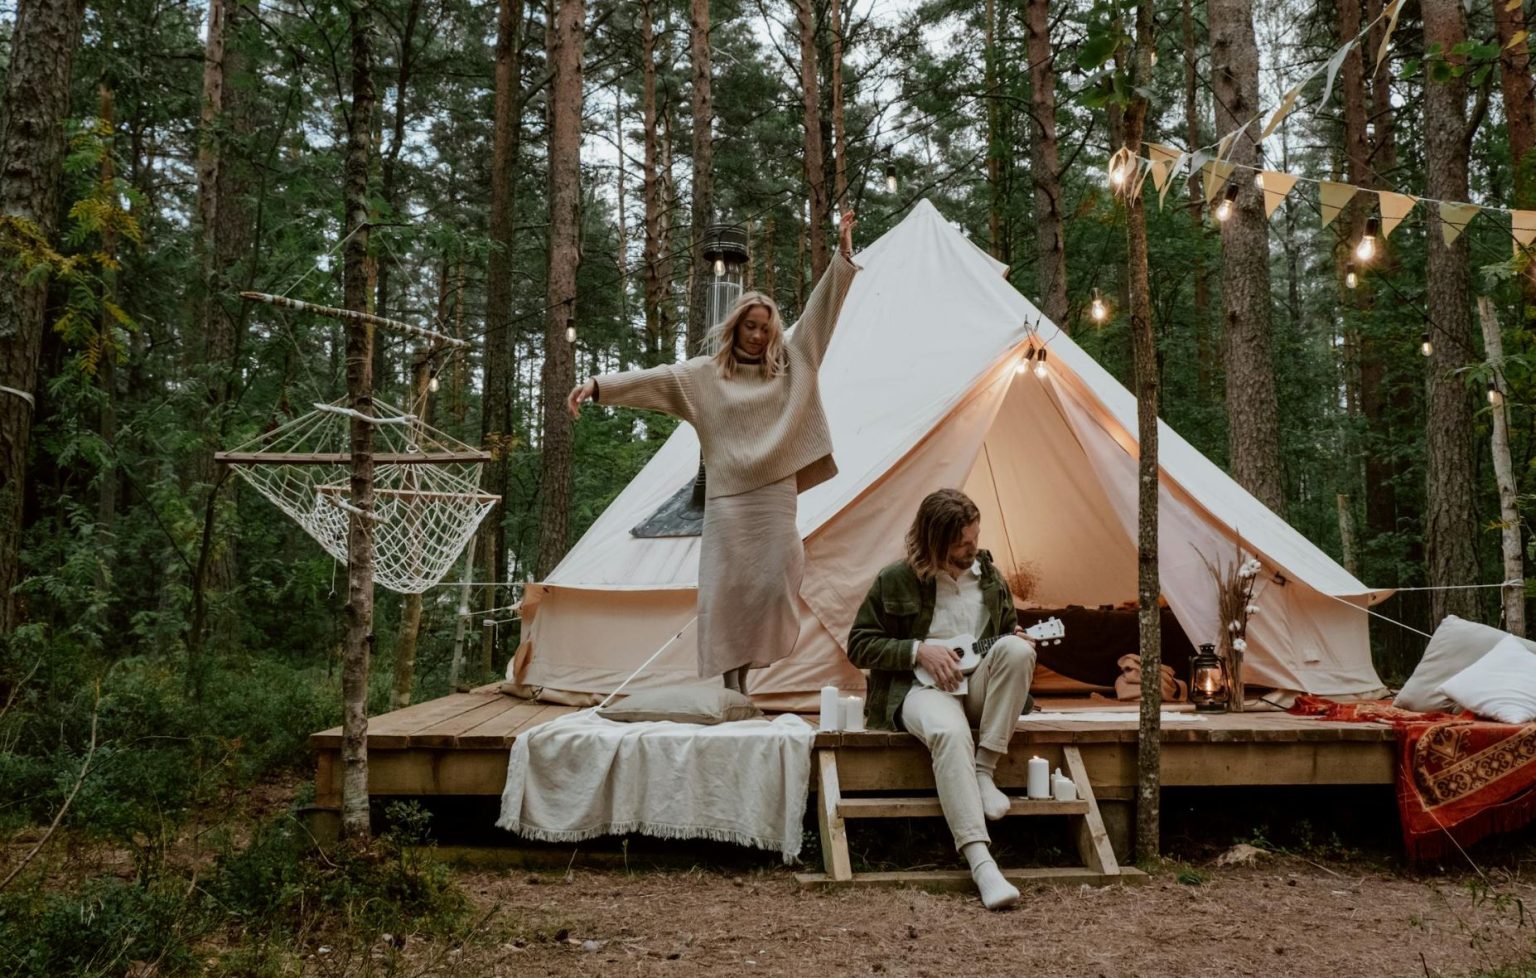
[(751, 562)]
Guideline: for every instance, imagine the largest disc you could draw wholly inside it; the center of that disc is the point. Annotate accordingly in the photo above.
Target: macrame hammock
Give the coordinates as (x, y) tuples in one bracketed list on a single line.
[(426, 506)]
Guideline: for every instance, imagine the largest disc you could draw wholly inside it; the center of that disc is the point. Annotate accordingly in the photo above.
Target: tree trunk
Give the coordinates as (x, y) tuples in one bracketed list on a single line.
[(1253, 430), (656, 273), (839, 127), (815, 168), (498, 423), (389, 165), (565, 42), (1205, 371), (703, 176), (358, 643), (1045, 165), (994, 136), (410, 608), (1383, 145), (1148, 588), (106, 491), (1451, 524), (43, 39), (1513, 594), (1519, 90)]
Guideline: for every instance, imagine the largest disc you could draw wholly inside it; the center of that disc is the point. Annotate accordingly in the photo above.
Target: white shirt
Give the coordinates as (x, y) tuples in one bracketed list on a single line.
[(957, 605)]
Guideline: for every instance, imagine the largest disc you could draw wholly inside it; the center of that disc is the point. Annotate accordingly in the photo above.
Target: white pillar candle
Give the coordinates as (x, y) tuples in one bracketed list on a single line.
[(1038, 785), (1064, 789), (853, 713), (831, 709)]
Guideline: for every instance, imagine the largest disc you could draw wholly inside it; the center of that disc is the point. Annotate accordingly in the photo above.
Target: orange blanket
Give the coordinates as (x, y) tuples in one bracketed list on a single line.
[(1459, 779)]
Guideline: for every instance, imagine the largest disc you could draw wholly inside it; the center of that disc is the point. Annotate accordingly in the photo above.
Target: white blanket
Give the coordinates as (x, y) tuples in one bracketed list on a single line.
[(582, 776)]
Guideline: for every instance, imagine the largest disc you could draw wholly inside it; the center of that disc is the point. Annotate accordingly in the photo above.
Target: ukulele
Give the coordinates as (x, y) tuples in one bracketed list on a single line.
[(972, 650)]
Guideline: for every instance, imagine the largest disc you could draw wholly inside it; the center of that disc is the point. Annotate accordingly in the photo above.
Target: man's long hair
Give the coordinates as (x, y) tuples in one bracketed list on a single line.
[(774, 358), (940, 520)]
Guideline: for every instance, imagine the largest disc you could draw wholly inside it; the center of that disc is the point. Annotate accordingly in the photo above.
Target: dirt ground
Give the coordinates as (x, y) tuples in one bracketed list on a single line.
[(1288, 915)]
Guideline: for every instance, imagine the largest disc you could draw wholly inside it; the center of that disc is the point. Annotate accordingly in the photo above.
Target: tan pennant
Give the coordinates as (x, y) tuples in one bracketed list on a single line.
[(1454, 218), (1332, 197), (1216, 174), (1523, 226), (1284, 109), (1276, 186), (1177, 167), (1394, 207), (1163, 159), (1386, 40)]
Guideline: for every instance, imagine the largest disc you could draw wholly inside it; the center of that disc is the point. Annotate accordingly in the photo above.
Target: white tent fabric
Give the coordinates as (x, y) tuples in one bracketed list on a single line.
[(922, 390)]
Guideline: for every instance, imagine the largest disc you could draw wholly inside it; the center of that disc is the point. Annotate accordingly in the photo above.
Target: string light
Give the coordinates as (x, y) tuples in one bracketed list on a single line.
[(1224, 209), (719, 268), (890, 176), (1097, 309), (1495, 397), (570, 334), (1366, 249), (1426, 348), (432, 384), (1040, 370), (1116, 176), (1351, 279), (1258, 179), (1023, 365)]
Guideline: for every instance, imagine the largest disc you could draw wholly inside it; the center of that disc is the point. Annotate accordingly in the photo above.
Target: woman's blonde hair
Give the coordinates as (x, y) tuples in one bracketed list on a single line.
[(941, 518), (774, 357)]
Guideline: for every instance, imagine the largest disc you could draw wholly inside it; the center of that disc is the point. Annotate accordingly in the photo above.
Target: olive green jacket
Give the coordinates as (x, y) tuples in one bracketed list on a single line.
[(899, 609)]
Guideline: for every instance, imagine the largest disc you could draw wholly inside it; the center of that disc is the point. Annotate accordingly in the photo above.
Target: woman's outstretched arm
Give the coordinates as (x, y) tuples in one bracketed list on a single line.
[(814, 330), (663, 388)]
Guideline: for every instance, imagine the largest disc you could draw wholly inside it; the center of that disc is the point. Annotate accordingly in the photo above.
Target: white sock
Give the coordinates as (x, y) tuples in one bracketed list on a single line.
[(996, 892), (994, 804)]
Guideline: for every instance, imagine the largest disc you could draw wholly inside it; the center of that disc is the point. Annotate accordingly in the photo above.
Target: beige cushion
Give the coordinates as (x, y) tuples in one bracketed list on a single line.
[(683, 704), (1456, 644), (1500, 686)]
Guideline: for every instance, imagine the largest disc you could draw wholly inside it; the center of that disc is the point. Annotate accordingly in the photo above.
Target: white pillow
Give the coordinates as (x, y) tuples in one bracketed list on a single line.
[(1456, 644), (1500, 686)]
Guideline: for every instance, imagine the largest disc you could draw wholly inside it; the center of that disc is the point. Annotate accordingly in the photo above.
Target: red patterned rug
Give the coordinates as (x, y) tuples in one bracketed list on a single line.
[(1459, 779)]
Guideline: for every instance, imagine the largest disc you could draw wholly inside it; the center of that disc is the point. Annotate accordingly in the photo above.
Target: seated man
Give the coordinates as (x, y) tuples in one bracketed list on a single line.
[(946, 588)]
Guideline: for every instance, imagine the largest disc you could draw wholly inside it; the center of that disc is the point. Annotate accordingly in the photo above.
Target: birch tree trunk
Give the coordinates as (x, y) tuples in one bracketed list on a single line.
[(565, 38), (815, 168), (703, 175), (1513, 595), (654, 272), (1045, 165), (498, 422), (1148, 587), (1205, 371), (357, 647), (1451, 521), (36, 102), (1253, 430), (839, 127)]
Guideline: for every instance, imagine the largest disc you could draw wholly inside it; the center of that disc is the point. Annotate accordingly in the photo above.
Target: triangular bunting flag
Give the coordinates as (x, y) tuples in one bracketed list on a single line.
[(1334, 64), (1332, 197), (1276, 187), (1178, 166), (1226, 144), (1163, 158), (1454, 218), (1386, 40), (1394, 207), (1284, 109), (1523, 226), (1216, 174)]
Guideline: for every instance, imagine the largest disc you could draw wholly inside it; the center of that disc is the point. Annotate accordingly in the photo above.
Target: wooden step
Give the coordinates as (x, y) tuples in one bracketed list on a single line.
[(959, 880), (923, 807)]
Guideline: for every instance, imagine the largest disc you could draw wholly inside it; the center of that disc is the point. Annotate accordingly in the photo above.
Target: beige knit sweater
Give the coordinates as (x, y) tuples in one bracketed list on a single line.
[(754, 430)]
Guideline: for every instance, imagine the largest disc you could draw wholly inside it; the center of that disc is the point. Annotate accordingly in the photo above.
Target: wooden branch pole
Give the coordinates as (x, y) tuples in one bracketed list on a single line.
[(351, 316), (1513, 594)]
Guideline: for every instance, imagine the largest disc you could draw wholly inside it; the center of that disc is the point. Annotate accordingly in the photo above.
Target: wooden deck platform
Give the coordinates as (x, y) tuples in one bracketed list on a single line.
[(457, 745)]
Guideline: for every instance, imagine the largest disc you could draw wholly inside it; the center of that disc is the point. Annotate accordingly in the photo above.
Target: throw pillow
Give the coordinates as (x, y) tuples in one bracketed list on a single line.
[(683, 704), (1455, 645), (1500, 686)]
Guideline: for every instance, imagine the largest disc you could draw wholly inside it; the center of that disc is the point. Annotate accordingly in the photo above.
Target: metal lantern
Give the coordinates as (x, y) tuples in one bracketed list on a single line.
[(724, 254), (1209, 687)]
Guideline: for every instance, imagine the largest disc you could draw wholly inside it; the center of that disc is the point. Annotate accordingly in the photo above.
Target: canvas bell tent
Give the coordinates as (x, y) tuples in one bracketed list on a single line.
[(924, 388)]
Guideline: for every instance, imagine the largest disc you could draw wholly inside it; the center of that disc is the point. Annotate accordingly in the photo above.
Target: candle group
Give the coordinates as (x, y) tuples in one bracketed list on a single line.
[(1038, 784), (831, 709)]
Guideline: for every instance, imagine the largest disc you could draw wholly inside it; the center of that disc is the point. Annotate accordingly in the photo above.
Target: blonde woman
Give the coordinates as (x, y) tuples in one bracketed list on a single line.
[(756, 406)]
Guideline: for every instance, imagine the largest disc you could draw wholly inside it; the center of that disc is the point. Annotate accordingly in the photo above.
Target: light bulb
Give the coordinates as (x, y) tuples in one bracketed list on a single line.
[(1258, 179), (1426, 348), (1117, 176), (1224, 209), (570, 334), (1098, 310), (1154, 58), (719, 267), (1022, 366), (1366, 249), (890, 178), (1351, 279), (1040, 369), (432, 384), (1495, 397)]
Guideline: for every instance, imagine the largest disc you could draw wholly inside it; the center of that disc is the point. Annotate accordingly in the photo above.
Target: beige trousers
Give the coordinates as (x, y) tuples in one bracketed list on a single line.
[(993, 700)]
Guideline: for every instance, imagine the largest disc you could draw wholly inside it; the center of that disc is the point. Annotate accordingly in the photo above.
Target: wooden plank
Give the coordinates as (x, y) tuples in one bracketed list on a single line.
[(930, 807), (389, 730), (327, 780), (437, 772), (342, 458), (958, 880), (445, 733), (1092, 838), (834, 834), (497, 731), (1337, 762)]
